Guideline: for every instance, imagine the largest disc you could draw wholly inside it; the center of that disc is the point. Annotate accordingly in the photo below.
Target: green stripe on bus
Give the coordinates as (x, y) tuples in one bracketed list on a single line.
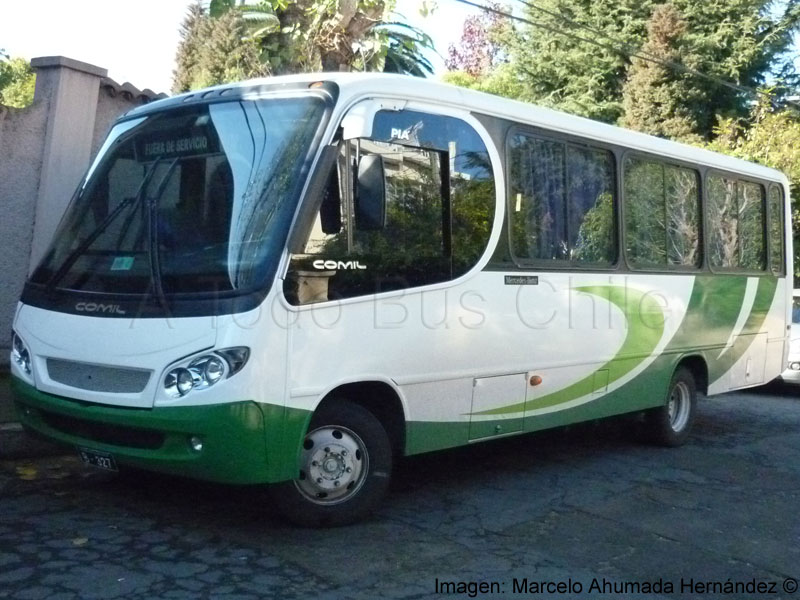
[(765, 295), (645, 321)]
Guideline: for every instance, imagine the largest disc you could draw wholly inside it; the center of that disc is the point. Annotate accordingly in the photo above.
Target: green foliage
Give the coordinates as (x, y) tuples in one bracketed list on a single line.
[(190, 48), (660, 100), (501, 81), (215, 50), (17, 81), (479, 50), (327, 35), (770, 136), (296, 36), (396, 48), (597, 229), (738, 40), (569, 74), (260, 20), (227, 54)]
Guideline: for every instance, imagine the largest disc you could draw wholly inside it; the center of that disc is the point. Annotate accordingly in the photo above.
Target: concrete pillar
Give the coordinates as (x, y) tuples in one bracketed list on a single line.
[(71, 88)]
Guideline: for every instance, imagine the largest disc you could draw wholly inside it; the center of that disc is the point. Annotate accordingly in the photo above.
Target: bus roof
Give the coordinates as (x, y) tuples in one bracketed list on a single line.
[(355, 85)]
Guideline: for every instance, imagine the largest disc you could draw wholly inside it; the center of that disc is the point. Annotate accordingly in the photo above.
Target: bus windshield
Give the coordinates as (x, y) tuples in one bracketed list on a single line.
[(192, 200)]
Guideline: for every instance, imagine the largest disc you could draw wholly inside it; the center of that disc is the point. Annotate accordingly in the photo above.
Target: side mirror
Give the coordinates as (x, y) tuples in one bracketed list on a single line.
[(371, 193)]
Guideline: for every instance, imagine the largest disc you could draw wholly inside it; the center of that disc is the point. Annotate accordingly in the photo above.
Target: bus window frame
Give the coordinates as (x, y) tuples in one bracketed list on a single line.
[(473, 120), (738, 177), (622, 264), (782, 220), (556, 265), (666, 268)]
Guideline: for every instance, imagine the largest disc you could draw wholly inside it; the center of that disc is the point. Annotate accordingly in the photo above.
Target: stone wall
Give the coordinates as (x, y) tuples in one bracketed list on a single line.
[(44, 151), (22, 133)]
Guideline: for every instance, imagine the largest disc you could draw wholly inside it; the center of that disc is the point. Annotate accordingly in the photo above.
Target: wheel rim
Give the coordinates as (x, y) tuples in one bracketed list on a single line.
[(334, 465), (679, 406)]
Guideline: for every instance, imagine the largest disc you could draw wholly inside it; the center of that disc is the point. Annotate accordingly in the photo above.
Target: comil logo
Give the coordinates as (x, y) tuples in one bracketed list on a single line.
[(335, 265), (94, 307)]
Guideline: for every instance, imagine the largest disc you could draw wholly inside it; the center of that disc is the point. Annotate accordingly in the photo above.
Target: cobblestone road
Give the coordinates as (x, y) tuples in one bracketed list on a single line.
[(581, 504)]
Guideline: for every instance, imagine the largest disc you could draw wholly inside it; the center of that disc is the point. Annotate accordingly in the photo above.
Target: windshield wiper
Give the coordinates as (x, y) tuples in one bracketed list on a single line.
[(85, 244), (151, 207)]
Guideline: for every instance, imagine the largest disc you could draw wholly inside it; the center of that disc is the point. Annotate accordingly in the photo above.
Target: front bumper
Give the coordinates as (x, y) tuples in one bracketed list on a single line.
[(157, 439)]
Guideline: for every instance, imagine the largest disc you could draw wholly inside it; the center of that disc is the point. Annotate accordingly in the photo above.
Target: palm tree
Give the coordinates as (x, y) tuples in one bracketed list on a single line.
[(400, 50), (307, 35)]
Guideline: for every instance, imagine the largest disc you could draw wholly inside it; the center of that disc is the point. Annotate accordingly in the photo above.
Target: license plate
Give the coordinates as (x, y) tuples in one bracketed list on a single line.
[(101, 460)]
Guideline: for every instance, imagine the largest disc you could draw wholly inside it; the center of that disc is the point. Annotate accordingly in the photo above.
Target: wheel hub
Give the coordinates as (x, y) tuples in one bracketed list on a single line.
[(331, 466), (679, 406), (334, 465)]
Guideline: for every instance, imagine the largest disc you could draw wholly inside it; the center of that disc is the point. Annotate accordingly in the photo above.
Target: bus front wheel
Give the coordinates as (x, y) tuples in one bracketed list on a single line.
[(345, 467), (671, 423)]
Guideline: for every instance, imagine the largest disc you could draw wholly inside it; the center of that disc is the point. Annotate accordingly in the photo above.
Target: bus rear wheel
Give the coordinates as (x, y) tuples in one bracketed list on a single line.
[(671, 423), (345, 468)]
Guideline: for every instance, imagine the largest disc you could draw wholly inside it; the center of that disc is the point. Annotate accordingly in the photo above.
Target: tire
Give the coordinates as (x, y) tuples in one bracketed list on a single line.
[(345, 468), (670, 424)]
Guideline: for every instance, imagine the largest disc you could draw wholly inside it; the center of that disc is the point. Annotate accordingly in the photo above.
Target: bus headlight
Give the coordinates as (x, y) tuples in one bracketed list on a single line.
[(204, 371), (20, 354), (207, 370), (178, 382), (235, 357)]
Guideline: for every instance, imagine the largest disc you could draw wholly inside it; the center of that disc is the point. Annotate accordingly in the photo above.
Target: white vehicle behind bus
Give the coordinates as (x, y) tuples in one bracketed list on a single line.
[(792, 372)]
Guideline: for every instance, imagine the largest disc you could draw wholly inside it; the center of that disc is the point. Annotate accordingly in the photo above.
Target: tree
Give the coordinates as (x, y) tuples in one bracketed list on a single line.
[(480, 61), (17, 81), (501, 81), (227, 53), (190, 48), (214, 51), (399, 50), (479, 49), (770, 136), (660, 100), (302, 36), (563, 72), (336, 35), (739, 40), (324, 34)]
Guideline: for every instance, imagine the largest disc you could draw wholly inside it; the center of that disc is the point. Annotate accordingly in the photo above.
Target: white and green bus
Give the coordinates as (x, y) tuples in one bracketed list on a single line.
[(298, 280)]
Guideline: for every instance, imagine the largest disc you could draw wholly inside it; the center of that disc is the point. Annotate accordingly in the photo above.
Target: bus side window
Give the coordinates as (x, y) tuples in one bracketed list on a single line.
[(662, 214), (439, 211), (776, 230), (736, 214), (561, 202)]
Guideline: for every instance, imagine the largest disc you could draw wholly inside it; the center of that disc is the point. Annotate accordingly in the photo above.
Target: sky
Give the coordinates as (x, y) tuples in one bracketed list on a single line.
[(136, 41)]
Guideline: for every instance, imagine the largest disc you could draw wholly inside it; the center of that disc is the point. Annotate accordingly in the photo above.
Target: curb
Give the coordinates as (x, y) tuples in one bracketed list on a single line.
[(15, 443)]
